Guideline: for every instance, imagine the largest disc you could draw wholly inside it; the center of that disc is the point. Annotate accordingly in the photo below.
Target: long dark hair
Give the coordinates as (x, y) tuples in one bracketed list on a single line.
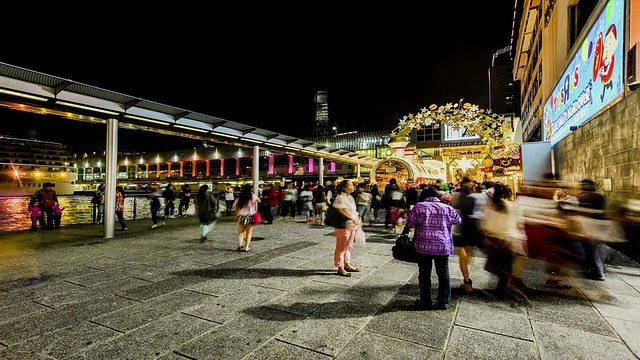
[(245, 196), (202, 192), (500, 192)]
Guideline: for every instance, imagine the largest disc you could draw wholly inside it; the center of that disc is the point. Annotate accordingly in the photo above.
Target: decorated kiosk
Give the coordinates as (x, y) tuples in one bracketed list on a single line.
[(495, 136)]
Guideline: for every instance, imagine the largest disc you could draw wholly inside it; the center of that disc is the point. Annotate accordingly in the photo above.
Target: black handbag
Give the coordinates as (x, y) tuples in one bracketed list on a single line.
[(404, 249), (335, 218)]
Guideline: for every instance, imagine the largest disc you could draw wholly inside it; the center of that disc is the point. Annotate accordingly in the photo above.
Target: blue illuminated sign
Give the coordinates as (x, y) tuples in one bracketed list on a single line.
[(593, 79)]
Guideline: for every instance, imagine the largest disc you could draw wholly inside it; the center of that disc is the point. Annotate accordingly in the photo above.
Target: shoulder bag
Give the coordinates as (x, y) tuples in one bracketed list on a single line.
[(335, 218), (404, 249), (257, 219)]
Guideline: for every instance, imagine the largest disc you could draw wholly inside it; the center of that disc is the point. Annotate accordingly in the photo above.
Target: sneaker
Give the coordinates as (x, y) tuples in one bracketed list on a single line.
[(164, 223), (154, 226), (125, 229)]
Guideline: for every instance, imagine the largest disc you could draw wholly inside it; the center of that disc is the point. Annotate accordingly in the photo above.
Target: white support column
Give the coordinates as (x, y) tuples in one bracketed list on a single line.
[(256, 169), (358, 171), (111, 170), (321, 171)]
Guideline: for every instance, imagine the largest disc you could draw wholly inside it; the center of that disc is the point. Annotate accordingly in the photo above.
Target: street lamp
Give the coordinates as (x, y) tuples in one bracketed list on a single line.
[(336, 130)]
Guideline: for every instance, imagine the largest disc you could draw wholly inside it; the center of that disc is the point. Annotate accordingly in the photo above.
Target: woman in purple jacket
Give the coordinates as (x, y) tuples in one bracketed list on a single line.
[(432, 220)]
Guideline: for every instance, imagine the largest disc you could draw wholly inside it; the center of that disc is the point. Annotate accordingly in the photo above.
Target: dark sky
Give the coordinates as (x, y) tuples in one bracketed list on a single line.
[(265, 70)]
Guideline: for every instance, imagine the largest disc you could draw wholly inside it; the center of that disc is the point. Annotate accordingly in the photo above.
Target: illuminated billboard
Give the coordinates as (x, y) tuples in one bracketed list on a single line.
[(593, 79), (451, 134)]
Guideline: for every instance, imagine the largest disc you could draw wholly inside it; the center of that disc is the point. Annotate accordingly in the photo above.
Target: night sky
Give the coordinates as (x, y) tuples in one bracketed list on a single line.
[(265, 70)]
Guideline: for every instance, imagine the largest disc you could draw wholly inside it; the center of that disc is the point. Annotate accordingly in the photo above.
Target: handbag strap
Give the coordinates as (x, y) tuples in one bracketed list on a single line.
[(406, 229)]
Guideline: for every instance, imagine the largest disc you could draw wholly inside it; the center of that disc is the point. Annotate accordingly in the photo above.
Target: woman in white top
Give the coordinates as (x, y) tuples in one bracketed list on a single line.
[(346, 204), (503, 223), (246, 207)]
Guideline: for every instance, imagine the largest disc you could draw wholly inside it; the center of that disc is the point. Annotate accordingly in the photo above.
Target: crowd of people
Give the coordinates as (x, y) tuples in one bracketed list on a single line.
[(543, 221)]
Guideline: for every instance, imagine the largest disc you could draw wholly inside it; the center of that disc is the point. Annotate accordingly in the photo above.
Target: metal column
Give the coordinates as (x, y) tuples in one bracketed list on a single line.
[(109, 215), (256, 169), (358, 171), (321, 171)]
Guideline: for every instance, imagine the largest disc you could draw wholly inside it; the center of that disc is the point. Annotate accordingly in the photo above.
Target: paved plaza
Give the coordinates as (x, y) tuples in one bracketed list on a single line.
[(161, 294)]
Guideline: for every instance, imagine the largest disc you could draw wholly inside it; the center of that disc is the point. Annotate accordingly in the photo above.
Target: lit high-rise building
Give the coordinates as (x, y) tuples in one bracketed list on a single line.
[(322, 114)]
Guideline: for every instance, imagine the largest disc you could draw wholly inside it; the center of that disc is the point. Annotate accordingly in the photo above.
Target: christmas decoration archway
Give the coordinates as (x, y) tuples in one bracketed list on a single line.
[(493, 129)]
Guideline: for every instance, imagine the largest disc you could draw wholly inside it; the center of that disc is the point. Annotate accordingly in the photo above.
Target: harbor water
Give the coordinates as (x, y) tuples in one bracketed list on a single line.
[(78, 209)]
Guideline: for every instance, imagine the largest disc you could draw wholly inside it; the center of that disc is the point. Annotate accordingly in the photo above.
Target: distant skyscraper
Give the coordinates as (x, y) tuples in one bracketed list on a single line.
[(322, 114), (504, 92)]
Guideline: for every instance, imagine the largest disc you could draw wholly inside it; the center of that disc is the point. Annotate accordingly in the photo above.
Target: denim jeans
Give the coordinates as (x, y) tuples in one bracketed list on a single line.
[(362, 211), (444, 279), (120, 215), (100, 213)]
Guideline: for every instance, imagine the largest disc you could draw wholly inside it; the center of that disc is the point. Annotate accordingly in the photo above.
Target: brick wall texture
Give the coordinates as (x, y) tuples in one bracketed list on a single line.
[(606, 147)]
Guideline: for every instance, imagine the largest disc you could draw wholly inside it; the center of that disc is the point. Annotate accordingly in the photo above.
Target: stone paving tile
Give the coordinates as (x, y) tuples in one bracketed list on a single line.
[(230, 287), (18, 330), (239, 337), (275, 349), (494, 316), (318, 331), (151, 341), (628, 331), (369, 345), (572, 311), (159, 288), (230, 306), (307, 298), (83, 294), (20, 309), (61, 343), (141, 314), (371, 291), (399, 320), (472, 344), (566, 342)]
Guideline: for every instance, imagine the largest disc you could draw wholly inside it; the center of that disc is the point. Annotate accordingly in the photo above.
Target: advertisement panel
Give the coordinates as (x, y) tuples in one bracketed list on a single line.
[(451, 134), (593, 79)]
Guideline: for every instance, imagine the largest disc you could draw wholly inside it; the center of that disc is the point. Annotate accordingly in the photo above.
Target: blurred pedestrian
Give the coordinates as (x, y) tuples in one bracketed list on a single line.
[(306, 197), (100, 196), (471, 202), (246, 207), (590, 199), (169, 198), (208, 211), (120, 195), (503, 227), (156, 193), (229, 199), (432, 220), (185, 199), (319, 203), (345, 203)]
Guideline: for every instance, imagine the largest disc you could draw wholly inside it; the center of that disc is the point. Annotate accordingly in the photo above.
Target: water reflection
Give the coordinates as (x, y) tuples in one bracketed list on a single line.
[(14, 214)]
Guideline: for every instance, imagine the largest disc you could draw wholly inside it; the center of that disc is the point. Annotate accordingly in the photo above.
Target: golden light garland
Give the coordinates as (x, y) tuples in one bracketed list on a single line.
[(493, 129)]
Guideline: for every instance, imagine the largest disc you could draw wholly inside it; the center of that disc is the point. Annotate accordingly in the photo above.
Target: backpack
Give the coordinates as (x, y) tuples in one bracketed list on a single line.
[(47, 200)]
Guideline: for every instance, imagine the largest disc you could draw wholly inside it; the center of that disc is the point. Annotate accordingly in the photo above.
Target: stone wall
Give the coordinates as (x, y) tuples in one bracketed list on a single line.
[(606, 148)]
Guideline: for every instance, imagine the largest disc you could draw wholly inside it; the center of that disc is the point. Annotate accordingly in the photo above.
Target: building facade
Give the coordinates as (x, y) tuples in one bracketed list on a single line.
[(574, 63)]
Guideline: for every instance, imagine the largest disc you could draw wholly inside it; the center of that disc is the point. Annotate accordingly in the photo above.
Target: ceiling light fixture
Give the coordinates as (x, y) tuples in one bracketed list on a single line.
[(145, 119), (15, 93), (64, 103)]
